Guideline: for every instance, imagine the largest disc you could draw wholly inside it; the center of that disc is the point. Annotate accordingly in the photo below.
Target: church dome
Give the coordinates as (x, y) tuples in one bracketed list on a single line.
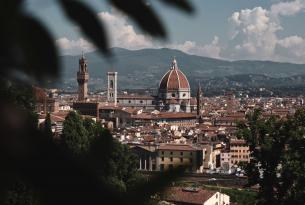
[(174, 79)]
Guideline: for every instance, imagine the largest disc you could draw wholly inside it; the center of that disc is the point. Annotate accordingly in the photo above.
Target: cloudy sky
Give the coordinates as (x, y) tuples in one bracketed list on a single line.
[(226, 29)]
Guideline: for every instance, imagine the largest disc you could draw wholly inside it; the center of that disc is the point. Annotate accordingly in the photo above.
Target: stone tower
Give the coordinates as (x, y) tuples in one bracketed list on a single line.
[(82, 79), (199, 102), (112, 87)]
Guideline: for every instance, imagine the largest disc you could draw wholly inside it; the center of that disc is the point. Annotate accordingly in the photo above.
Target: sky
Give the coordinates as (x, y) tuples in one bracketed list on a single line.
[(224, 29)]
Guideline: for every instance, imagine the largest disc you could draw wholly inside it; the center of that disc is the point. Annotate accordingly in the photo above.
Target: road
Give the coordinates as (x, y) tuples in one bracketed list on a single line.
[(209, 179)]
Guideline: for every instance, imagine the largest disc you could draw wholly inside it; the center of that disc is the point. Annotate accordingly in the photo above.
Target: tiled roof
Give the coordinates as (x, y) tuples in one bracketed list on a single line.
[(176, 147), (239, 142), (174, 79), (135, 97), (56, 117), (165, 115), (188, 196)]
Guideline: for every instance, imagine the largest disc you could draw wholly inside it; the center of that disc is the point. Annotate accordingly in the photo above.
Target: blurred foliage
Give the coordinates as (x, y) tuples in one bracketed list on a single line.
[(94, 169), (277, 151), (28, 47)]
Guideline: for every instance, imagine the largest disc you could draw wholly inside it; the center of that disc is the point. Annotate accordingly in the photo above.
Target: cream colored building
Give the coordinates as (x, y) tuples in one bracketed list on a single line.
[(239, 152), (175, 155)]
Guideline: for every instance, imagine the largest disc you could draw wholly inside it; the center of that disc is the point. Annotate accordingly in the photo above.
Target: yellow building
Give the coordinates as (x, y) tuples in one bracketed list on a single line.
[(174, 155)]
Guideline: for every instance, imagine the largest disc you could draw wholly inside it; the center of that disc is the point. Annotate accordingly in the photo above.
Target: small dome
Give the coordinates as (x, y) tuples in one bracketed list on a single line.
[(174, 79)]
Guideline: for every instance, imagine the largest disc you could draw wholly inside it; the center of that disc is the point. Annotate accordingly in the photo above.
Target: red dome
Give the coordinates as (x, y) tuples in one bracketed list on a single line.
[(174, 79)]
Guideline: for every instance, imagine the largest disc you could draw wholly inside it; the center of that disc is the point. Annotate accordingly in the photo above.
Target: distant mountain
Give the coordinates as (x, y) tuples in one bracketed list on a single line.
[(144, 68)]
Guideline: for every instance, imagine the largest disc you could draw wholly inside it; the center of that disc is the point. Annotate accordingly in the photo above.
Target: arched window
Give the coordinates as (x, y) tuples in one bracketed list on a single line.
[(111, 83)]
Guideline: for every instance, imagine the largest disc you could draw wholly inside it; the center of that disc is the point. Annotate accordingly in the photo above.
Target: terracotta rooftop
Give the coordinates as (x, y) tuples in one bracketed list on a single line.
[(188, 195), (165, 115), (174, 79), (55, 117), (178, 147), (239, 142), (136, 97)]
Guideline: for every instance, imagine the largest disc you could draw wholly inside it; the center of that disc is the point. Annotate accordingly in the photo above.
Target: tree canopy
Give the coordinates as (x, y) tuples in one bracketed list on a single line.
[(277, 157)]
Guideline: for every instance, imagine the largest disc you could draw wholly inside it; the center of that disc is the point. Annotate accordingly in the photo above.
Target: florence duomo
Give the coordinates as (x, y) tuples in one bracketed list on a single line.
[(174, 92)]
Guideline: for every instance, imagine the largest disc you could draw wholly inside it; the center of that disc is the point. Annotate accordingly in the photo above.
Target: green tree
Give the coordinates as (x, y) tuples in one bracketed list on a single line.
[(91, 127), (277, 162), (114, 162), (74, 135)]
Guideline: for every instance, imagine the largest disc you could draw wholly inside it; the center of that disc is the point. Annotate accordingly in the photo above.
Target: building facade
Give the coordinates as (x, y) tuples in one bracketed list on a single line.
[(174, 90), (112, 90)]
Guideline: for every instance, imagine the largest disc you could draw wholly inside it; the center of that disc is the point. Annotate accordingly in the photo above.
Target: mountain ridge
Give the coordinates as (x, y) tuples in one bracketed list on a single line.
[(144, 68)]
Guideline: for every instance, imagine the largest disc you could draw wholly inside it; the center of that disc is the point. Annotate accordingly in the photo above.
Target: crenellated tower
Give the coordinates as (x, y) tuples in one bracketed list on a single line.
[(82, 79)]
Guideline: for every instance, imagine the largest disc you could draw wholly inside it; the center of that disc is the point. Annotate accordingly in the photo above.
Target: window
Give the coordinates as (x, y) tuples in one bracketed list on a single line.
[(111, 83), (173, 95), (181, 153), (129, 101), (171, 153), (171, 159), (161, 167), (184, 95), (162, 159), (141, 101), (191, 153), (181, 159), (162, 152)]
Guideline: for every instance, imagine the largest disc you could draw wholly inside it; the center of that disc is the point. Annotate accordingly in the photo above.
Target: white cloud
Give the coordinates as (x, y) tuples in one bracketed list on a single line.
[(74, 47), (210, 50), (258, 33), (120, 33), (123, 34), (288, 8), (255, 33), (292, 47)]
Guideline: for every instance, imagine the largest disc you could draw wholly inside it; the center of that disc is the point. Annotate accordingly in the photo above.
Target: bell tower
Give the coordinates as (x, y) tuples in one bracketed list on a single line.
[(199, 102), (112, 89), (82, 79)]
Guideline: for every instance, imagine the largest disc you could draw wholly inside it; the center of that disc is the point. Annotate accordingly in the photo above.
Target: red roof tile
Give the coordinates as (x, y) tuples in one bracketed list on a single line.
[(178, 147), (188, 196)]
